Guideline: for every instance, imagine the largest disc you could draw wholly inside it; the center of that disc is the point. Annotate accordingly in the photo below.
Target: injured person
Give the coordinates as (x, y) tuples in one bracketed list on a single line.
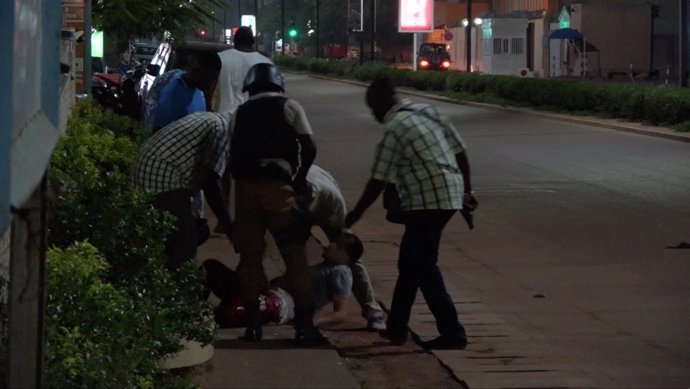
[(332, 280)]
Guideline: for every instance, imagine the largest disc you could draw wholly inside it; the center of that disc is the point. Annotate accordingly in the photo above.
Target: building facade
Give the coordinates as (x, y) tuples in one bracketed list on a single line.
[(628, 37)]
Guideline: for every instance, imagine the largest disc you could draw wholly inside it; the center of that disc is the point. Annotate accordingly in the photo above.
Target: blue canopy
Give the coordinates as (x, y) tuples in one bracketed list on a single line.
[(565, 33)]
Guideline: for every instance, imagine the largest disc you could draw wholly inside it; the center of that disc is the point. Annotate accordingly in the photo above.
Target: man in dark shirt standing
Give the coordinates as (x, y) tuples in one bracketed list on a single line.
[(272, 152)]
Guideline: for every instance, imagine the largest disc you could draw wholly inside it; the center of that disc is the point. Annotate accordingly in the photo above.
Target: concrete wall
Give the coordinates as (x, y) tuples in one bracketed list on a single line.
[(621, 32), (511, 55)]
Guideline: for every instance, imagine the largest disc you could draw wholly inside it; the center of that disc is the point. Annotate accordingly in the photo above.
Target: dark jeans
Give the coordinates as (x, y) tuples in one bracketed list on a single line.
[(180, 246), (417, 268)]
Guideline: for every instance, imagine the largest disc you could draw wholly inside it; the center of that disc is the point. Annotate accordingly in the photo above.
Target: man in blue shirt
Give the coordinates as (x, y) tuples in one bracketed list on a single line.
[(178, 93)]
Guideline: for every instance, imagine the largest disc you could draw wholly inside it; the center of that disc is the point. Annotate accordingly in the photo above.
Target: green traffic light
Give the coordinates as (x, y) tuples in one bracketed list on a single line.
[(292, 33)]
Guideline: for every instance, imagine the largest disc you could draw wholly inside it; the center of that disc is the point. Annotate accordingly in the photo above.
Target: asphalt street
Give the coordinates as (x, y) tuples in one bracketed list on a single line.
[(567, 280)]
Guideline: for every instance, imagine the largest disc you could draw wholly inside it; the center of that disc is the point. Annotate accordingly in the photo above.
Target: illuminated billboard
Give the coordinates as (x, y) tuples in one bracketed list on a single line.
[(416, 16)]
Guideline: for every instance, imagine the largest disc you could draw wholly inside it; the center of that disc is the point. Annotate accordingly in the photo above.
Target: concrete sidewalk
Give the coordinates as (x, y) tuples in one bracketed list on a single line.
[(274, 362), (498, 355)]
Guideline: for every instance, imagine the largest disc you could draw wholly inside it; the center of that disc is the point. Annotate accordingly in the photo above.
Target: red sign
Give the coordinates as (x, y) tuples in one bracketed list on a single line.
[(416, 16)]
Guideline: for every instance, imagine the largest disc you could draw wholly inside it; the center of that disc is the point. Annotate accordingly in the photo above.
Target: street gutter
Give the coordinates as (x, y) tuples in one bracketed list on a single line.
[(613, 124)]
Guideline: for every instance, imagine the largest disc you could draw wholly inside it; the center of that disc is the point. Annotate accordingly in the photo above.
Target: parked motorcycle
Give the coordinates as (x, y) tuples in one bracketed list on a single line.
[(118, 91)]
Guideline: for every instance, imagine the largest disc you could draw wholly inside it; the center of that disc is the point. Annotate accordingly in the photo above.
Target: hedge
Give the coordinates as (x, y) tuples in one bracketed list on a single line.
[(634, 102)]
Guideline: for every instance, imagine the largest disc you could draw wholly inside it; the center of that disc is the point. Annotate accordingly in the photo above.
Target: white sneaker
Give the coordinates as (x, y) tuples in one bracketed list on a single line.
[(376, 323)]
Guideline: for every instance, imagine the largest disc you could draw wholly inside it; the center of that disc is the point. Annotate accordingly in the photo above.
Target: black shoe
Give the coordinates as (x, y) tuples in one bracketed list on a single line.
[(396, 339), (310, 337), (445, 343), (253, 334)]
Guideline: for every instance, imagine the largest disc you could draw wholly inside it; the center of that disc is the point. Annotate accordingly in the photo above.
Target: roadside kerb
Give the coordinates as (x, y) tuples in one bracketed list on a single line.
[(613, 124)]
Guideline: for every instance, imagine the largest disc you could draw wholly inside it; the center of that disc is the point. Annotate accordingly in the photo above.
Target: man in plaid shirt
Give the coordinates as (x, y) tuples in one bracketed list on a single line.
[(180, 159), (423, 155)]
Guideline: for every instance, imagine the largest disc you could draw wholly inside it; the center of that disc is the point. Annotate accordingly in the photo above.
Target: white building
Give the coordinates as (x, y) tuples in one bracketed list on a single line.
[(508, 46)]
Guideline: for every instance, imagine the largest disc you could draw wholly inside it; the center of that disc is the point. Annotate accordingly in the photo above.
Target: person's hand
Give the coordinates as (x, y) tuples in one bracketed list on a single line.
[(469, 202)]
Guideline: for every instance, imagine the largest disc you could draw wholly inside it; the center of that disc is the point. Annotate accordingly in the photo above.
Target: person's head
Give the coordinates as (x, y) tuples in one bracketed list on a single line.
[(203, 72), (263, 77), (381, 97), (244, 39), (345, 249)]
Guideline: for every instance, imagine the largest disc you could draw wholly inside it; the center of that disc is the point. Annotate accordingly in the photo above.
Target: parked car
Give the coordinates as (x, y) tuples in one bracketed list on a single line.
[(433, 56)]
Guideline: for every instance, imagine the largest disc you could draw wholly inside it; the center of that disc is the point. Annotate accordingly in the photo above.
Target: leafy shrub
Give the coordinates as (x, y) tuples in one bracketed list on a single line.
[(432, 80), (94, 201), (4, 328), (667, 105), (631, 102), (94, 336), (367, 72), (91, 119), (471, 83)]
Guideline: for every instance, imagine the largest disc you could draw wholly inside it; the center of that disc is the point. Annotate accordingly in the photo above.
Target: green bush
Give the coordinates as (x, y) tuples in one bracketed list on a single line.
[(472, 83), (428, 80), (95, 202), (632, 102), (667, 106), (4, 327), (367, 72), (92, 339)]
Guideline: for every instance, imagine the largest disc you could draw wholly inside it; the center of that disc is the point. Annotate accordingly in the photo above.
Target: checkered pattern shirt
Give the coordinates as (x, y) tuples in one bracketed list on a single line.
[(417, 153), (179, 155)]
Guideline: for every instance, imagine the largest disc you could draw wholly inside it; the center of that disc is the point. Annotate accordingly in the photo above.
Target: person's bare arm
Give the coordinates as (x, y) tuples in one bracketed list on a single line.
[(464, 165), (339, 314), (307, 156), (371, 193)]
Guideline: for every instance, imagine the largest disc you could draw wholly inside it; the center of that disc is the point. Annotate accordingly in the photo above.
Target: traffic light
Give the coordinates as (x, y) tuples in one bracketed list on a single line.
[(202, 33), (292, 31)]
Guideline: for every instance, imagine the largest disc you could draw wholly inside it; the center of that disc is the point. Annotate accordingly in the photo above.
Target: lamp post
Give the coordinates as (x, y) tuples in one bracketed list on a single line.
[(256, 25), (373, 30), (468, 41), (282, 27), (683, 43), (317, 28)]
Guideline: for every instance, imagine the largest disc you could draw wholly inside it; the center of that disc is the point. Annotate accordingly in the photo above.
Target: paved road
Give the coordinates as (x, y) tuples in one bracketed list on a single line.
[(566, 281)]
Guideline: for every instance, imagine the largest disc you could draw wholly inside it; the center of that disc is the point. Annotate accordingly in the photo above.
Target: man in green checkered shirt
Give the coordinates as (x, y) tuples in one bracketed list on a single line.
[(177, 161), (423, 155)]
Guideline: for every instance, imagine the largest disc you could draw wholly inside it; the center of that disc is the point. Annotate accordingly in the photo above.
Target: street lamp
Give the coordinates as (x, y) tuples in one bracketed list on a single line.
[(466, 23)]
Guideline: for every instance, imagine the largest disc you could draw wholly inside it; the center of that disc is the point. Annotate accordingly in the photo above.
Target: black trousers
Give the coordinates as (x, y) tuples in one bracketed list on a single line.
[(418, 269), (180, 246)]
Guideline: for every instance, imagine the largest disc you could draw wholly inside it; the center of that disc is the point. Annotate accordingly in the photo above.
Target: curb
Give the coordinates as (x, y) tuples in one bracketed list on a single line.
[(613, 124)]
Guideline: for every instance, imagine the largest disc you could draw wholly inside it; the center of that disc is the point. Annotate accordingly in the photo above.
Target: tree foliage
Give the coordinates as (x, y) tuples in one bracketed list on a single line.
[(127, 19), (332, 24)]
